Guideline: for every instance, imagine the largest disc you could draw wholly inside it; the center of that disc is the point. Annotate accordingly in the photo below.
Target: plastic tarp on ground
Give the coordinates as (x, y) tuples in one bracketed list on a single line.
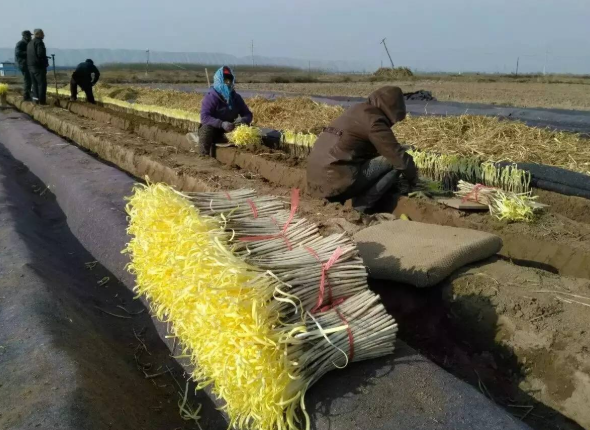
[(405, 391)]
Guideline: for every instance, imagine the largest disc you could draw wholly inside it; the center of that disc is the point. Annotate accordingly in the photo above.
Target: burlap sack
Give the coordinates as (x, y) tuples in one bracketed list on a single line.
[(421, 254)]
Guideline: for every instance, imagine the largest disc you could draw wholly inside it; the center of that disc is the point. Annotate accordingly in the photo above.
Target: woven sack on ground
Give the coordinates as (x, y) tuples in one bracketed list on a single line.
[(421, 254)]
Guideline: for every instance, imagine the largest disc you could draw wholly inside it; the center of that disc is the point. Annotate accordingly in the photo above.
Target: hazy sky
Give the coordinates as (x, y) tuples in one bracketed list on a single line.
[(457, 35)]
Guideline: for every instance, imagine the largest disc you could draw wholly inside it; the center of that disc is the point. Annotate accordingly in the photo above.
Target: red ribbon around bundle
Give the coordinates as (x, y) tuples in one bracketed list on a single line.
[(474, 194), (324, 281), (332, 304), (254, 209), (350, 336), (283, 233)]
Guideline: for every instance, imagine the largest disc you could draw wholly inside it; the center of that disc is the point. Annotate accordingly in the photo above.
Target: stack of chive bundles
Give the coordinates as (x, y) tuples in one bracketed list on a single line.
[(261, 302)]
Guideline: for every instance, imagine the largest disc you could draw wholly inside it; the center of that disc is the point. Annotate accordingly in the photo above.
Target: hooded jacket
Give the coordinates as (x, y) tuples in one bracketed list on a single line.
[(215, 110), (37, 54), (222, 103), (362, 133)]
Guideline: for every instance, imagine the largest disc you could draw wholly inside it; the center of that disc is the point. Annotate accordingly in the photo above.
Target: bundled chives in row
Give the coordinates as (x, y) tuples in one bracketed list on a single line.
[(297, 144), (262, 304), (504, 205), (449, 169)]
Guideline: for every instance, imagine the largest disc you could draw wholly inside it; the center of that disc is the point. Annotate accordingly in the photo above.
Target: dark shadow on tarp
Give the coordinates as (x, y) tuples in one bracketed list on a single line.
[(78, 330)]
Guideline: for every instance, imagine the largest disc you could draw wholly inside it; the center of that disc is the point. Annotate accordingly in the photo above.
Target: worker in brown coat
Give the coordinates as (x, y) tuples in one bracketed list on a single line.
[(358, 157)]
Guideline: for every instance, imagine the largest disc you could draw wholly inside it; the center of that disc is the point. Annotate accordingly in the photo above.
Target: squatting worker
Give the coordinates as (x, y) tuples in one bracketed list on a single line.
[(222, 109), (37, 61), (358, 157), (85, 76), (20, 57)]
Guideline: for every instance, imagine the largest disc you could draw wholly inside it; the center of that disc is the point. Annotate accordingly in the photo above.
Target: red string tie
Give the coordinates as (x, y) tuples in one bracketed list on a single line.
[(324, 281), (253, 207), (350, 336), (283, 233)]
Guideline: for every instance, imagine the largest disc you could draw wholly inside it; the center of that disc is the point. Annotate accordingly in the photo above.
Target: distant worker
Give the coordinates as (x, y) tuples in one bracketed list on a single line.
[(358, 157), (38, 63), (20, 57), (220, 110), (86, 76)]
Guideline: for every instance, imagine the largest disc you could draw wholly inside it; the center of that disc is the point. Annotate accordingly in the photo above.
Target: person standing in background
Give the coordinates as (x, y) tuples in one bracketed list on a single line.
[(20, 58), (37, 61), (86, 76)]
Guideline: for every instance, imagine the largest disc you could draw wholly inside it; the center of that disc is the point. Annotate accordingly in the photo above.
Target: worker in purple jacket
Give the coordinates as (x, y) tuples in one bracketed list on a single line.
[(222, 109)]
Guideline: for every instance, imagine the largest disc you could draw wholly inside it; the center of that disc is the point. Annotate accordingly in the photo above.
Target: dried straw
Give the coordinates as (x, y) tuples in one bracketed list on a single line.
[(487, 138)]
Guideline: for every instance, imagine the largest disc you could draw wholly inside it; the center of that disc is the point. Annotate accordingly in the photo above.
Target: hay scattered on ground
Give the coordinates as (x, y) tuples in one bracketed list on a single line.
[(300, 114), (488, 138), (492, 139), (168, 98)]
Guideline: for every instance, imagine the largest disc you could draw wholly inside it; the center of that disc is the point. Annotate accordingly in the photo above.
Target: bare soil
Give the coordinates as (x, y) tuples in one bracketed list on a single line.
[(182, 168), (513, 332)]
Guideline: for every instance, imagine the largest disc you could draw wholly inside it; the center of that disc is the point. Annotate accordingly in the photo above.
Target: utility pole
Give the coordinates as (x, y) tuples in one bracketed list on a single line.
[(252, 52), (387, 50), (309, 67), (54, 74), (147, 63), (545, 65), (517, 61)]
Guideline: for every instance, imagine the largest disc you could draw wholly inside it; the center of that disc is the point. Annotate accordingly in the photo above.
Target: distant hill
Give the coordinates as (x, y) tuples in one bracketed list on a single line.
[(71, 57)]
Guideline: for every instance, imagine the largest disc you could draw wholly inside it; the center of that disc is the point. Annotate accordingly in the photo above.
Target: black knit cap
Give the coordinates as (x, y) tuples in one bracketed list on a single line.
[(27, 33)]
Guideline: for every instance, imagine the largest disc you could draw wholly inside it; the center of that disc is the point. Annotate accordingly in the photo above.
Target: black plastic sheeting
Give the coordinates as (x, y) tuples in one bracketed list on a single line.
[(404, 391), (556, 179)]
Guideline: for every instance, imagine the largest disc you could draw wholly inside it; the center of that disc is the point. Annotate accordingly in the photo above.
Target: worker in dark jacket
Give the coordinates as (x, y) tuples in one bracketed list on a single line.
[(86, 76), (220, 110), (20, 58), (358, 157), (38, 64)]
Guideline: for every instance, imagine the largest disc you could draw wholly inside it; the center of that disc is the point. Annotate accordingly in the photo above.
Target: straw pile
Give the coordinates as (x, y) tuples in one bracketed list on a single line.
[(262, 304), (300, 114), (492, 139)]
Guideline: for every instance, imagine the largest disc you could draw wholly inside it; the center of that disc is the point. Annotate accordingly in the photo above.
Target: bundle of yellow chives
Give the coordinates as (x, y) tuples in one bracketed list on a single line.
[(246, 135), (216, 303), (258, 341)]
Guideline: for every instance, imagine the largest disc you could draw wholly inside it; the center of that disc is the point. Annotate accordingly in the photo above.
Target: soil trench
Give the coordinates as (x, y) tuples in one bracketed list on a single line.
[(557, 242), (556, 233)]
